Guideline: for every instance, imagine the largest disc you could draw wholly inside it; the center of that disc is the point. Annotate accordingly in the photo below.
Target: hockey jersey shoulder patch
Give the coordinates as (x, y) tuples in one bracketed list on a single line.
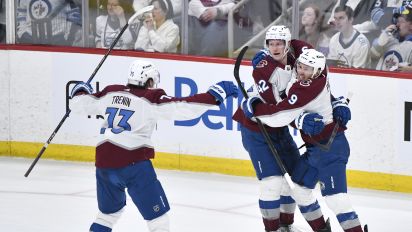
[(262, 64)]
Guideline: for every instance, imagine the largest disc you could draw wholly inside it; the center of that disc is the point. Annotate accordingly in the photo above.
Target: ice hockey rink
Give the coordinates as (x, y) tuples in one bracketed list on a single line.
[(60, 196)]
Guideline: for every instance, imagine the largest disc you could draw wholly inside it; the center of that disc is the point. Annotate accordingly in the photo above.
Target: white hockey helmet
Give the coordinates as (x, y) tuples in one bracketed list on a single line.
[(278, 32), (141, 71), (313, 58)]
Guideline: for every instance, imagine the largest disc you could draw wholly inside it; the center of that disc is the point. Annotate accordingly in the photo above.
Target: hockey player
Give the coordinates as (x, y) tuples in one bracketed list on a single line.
[(309, 92), (124, 152), (273, 69)]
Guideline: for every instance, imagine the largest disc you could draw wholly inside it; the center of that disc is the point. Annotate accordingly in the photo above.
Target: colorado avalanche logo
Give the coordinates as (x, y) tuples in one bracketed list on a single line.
[(391, 59), (39, 9), (305, 83), (262, 64)]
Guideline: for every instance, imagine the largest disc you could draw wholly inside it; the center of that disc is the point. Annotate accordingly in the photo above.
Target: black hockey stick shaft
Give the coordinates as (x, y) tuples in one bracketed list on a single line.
[(66, 115), (107, 53), (47, 143), (259, 122)]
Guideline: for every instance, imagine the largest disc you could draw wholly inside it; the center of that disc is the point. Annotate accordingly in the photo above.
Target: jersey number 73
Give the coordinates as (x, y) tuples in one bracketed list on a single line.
[(123, 124)]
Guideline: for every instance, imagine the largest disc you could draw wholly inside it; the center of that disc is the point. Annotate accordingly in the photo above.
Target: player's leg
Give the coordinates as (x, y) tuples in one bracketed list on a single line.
[(269, 175), (148, 195), (111, 199), (334, 185), (306, 176), (289, 153)]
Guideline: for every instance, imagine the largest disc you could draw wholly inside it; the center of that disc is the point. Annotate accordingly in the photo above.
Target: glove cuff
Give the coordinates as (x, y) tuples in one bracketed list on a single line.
[(81, 87), (341, 101), (218, 92), (299, 120)]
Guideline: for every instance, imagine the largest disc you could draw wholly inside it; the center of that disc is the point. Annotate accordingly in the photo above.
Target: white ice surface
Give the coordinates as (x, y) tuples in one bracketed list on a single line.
[(60, 196)]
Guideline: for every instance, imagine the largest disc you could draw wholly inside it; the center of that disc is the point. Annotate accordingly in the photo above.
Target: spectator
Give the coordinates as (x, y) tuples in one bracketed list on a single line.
[(393, 54), (311, 30), (208, 27), (56, 22), (348, 47), (109, 26), (362, 14), (159, 33), (382, 13)]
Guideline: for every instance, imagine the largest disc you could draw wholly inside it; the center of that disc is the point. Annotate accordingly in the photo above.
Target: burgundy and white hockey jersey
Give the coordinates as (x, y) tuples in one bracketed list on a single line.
[(271, 79), (131, 115), (311, 96)]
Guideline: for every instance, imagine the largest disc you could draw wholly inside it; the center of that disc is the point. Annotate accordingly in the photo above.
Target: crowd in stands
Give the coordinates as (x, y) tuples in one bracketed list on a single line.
[(372, 34)]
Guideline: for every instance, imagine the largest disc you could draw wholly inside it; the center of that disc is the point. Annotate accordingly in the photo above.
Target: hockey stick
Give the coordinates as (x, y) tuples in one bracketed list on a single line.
[(66, 115), (260, 124)]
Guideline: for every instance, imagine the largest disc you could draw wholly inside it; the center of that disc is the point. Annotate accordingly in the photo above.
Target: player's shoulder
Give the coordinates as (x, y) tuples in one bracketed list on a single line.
[(317, 83), (110, 89), (153, 95), (263, 64)]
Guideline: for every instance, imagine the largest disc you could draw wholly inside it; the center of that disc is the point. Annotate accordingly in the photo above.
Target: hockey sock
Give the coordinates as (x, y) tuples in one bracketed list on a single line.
[(99, 228)]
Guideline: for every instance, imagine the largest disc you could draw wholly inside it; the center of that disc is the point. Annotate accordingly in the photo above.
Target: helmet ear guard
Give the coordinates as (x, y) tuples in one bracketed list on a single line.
[(141, 71)]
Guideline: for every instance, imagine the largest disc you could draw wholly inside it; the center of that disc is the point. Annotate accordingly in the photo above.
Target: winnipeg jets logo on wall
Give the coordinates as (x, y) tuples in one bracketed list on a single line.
[(39, 9)]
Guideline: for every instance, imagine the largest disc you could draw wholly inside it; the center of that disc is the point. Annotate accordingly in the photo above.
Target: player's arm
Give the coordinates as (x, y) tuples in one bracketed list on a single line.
[(289, 111), (277, 115), (184, 108), (83, 101)]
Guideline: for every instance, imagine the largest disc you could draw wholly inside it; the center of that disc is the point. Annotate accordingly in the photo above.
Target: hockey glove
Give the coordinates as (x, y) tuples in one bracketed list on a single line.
[(341, 111), (248, 106), (81, 87), (310, 123), (259, 57), (223, 90)]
